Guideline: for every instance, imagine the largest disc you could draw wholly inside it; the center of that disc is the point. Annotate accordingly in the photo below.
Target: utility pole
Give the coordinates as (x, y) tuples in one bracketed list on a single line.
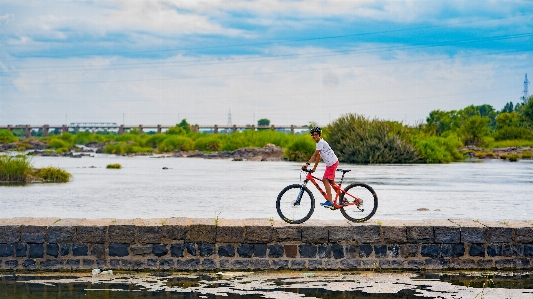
[(229, 121), (526, 93)]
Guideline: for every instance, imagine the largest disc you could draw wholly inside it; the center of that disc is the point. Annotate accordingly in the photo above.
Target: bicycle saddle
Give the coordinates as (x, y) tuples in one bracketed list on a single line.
[(344, 170)]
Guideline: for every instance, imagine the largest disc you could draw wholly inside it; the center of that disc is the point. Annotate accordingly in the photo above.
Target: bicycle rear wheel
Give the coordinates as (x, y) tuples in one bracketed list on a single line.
[(295, 204), (366, 198)]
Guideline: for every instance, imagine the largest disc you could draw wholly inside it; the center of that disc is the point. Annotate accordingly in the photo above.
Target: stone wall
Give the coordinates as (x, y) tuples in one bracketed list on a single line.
[(185, 244)]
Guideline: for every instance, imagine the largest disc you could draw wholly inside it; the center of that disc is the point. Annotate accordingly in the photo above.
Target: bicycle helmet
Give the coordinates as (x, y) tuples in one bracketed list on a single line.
[(317, 130)]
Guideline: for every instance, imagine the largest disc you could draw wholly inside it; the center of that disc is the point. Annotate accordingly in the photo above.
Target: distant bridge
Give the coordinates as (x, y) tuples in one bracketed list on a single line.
[(121, 129)]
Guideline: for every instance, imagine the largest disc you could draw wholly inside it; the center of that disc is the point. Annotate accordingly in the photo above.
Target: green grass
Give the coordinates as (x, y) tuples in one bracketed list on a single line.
[(7, 137), (490, 143), (52, 175), (14, 168), (114, 166), (18, 169)]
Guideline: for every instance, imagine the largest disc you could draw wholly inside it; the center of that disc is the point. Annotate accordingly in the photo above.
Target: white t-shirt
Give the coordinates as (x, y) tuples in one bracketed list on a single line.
[(326, 152)]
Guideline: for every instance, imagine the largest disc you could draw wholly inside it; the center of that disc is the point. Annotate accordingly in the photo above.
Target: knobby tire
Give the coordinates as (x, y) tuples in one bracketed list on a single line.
[(286, 208), (370, 202)]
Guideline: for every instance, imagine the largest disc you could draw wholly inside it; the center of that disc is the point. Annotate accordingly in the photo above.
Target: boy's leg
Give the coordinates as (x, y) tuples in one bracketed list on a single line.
[(327, 186), (329, 176)]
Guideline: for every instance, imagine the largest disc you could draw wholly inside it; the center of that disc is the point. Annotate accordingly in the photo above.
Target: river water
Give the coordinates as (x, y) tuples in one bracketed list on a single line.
[(194, 187)]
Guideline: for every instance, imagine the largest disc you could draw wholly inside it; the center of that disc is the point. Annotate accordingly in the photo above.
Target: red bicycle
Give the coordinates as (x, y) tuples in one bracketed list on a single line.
[(357, 202)]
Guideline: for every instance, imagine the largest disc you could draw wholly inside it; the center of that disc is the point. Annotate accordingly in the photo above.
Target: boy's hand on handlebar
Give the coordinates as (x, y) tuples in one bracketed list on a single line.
[(304, 167)]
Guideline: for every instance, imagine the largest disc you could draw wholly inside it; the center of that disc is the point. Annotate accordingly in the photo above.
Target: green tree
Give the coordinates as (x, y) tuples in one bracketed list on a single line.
[(184, 125), (474, 129), (441, 121), (509, 107), (263, 122), (526, 111)]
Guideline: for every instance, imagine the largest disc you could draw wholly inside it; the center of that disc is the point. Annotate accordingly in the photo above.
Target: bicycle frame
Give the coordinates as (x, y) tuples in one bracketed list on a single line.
[(337, 188)]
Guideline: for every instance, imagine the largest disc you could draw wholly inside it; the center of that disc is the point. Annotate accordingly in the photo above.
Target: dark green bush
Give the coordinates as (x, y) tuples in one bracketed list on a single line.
[(510, 133), (356, 139), (176, 143), (52, 175), (301, 149), (7, 137), (14, 168), (208, 144), (436, 149)]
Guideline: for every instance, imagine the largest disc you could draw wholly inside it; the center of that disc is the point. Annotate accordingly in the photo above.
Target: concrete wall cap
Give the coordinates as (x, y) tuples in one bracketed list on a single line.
[(231, 222), (40, 222), (181, 221), (202, 221), (150, 222), (95, 222), (495, 224), (258, 222), (467, 223), (122, 222), (67, 222)]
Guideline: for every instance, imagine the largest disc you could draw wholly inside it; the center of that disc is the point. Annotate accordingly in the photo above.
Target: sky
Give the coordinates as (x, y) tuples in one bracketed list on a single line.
[(292, 62)]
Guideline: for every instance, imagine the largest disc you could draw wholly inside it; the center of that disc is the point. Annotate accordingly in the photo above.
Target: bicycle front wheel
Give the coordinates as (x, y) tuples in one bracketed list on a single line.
[(295, 204), (361, 202)]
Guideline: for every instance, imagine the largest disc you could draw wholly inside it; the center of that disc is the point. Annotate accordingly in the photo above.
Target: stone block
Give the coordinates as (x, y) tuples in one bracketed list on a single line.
[(528, 250), (462, 264), (523, 234), (408, 250), (367, 233), (415, 264), (114, 263), (349, 264), (504, 264), (51, 265), (166, 264), (29, 265), (34, 229), (245, 250), (258, 230), (98, 251), (458, 249), (9, 234), (152, 264), (477, 250), (230, 231), (159, 250), (92, 230), (380, 251), (331, 264), (118, 249), (370, 264), (259, 264), (394, 232), (314, 232), (436, 264), (314, 264), (298, 264), (498, 231), (64, 249), (365, 250), (513, 250), (206, 249), (202, 231), (351, 251), (484, 264), (471, 231), (324, 251), (419, 232), (277, 251), (340, 233), (72, 264), (226, 251), (87, 264), (6, 250), (175, 229), (283, 232), (430, 250), (11, 264), (80, 250), (127, 264), (225, 264), (36, 251), (241, 264), (291, 251), (52, 250), (150, 231), (447, 234), (393, 251), (21, 250), (121, 231), (446, 250), (209, 264), (522, 263), (190, 248), (63, 231), (192, 264), (337, 251), (260, 250), (176, 250), (307, 251), (280, 264)]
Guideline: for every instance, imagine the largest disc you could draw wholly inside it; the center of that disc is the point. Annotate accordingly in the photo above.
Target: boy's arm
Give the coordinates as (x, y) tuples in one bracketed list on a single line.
[(317, 153)]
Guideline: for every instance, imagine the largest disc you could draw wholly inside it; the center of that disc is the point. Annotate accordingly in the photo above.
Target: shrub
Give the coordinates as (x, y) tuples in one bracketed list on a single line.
[(52, 175), (176, 143), (526, 155), (513, 157), (439, 149), (7, 137), (209, 144), (504, 156), (356, 139), (58, 143), (125, 148), (509, 133), (300, 149), (154, 140), (114, 166), (14, 168)]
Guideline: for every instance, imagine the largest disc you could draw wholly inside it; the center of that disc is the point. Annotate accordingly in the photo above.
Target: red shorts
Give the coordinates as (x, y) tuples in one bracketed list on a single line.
[(330, 171)]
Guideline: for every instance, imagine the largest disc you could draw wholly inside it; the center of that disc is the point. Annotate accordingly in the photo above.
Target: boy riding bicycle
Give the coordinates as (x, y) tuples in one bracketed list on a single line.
[(324, 150)]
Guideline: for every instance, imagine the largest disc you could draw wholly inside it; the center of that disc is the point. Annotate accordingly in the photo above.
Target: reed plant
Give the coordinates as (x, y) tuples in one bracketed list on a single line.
[(176, 143), (7, 136), (114, 166), (14, 168), (208, 144), (526, 155), (52, 175), (513, 157), (126, 148)]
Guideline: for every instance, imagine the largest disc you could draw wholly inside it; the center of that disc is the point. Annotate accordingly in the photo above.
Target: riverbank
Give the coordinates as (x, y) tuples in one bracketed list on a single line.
[(260, 244)]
